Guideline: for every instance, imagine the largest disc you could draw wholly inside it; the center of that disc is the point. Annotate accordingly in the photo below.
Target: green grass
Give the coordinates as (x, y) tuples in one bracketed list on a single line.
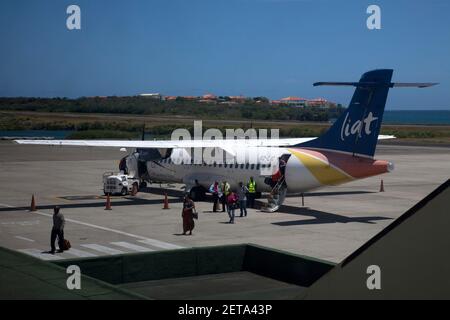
[(102, 134), (104, 126)]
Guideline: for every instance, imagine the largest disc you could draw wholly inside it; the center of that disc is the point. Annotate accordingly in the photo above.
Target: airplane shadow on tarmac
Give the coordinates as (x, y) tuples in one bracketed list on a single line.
[(162, 191), (125, 201), (322, 217), (329, 193), (115, 203)]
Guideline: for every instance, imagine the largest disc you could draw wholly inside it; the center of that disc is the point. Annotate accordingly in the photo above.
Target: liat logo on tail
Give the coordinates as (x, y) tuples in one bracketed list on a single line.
[(356, 130), (349, 129)]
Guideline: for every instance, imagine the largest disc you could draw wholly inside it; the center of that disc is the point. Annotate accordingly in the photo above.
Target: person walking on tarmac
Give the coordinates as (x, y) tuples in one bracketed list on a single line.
[(58, 230), (231, 205), (251, 192), (225, 192), (242, 197), (216, 193), (188, 215)]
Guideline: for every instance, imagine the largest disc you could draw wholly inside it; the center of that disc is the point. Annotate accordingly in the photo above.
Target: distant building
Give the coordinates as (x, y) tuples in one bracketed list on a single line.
[(190, 98), (209, 96), (237, 99), (320, 103), (156, 96), (294, 101)]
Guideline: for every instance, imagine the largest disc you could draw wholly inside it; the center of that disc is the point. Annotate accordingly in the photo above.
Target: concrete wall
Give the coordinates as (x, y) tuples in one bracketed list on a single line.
[(413, 254), (25, 277), (279, 265), (202, 261), (162, 264)]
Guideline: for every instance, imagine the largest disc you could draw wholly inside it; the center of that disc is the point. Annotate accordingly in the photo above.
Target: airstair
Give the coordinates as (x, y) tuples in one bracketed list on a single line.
[(276, 196)]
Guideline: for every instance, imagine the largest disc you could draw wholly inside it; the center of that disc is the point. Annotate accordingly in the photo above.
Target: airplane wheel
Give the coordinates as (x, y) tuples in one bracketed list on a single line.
[(124, 191)]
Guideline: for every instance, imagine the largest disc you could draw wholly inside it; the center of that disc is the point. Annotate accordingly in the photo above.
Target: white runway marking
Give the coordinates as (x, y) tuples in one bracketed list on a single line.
[(102, 249), (160, 244), (80, 253), (23, 238), (153, 242), (38, 254), (131, 246)]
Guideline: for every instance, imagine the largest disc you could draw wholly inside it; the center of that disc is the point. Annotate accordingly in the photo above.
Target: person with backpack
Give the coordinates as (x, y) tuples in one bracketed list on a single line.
[(225, 192)]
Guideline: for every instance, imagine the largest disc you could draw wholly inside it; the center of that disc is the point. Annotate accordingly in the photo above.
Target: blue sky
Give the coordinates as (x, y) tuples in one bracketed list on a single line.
[(272, 48)]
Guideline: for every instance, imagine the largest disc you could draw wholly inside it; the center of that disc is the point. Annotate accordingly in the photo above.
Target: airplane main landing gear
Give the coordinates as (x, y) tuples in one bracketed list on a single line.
[(197, 193), (143, 184)]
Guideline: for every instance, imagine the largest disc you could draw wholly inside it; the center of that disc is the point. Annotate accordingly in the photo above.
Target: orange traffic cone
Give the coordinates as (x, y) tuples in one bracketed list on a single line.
[(108, 203), (33, 204), (166, 201), (382, 186)]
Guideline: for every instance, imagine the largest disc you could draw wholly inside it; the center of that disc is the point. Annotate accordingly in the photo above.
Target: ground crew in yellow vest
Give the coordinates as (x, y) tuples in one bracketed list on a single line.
[(226, 189), (251, 192)]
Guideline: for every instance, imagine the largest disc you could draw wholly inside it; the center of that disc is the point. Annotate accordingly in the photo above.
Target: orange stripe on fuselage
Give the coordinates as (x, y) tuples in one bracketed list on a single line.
[(357, 167)]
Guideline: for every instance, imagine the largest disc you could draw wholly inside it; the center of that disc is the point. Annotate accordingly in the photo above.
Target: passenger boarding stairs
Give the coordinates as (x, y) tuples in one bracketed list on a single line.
[(276, 197)]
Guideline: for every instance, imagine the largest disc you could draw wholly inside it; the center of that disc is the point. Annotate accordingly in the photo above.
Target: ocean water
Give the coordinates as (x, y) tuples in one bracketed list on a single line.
[(433, 117)]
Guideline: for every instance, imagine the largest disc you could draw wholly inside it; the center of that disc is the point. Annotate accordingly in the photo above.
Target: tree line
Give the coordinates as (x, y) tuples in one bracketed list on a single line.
[(249, 109)]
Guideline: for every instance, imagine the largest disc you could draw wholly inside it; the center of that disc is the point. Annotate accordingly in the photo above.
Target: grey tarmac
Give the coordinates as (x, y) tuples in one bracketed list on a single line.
[(334, 222)]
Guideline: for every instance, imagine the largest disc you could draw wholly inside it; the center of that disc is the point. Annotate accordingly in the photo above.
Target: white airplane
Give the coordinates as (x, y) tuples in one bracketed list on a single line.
[(342, 154)]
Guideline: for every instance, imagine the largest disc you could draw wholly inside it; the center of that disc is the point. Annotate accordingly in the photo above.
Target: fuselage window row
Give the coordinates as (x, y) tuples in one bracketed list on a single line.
[(215, 165)]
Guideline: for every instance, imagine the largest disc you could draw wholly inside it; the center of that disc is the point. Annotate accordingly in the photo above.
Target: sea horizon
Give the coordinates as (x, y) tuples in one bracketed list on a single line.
[(418, 117)]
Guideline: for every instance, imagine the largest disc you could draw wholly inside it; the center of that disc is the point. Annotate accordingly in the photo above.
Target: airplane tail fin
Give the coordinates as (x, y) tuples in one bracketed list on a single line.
[(356, 130)]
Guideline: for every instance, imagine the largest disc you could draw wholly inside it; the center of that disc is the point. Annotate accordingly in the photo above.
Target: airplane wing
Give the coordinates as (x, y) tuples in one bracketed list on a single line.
[(385, 137), (161, 144), (169, 143)]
